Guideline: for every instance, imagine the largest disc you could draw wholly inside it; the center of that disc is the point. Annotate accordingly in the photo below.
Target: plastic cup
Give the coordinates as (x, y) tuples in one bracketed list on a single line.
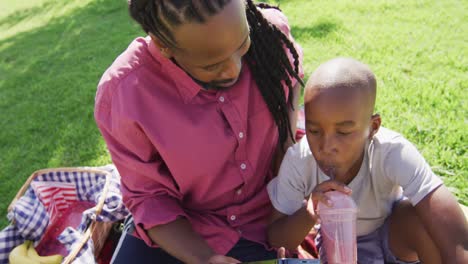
[(338, 228)]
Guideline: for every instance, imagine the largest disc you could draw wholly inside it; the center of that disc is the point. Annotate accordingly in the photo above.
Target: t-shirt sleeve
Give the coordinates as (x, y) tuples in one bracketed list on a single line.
[(287, 190), (405, 166), (148, 189)]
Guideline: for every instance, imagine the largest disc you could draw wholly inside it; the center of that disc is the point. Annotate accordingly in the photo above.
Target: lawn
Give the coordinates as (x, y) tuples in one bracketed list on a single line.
[(52, 54)]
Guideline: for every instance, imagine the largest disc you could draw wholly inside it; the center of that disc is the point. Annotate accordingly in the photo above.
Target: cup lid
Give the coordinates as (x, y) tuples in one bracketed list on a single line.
[(340, 201)]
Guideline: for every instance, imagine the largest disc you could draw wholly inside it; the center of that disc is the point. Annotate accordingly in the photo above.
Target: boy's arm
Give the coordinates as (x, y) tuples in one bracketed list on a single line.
[(446, 223), (435, 205), (289, 231)]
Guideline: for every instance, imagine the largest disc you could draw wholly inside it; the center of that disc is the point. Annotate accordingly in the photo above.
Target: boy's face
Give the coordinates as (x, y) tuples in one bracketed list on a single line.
[(338, 123)]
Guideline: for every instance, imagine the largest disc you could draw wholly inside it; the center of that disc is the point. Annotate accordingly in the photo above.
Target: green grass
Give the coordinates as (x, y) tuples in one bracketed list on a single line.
[(52, 54)]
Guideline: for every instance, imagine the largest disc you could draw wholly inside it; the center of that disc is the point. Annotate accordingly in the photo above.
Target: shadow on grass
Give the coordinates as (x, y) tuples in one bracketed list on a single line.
[(47, 89), (319, 30), (273, 2)]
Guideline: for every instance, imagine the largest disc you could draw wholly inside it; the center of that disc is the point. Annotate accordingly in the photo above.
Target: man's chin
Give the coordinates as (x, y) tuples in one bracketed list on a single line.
[(222, 86)]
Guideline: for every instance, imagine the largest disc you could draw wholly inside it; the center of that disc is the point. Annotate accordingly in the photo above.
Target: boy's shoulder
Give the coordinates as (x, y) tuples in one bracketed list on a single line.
[(391, 146), (388, 138), (299, 155), (300, 150)]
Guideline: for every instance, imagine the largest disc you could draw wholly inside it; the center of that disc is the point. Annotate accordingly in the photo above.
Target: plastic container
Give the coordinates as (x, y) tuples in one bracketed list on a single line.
[(338, 228)]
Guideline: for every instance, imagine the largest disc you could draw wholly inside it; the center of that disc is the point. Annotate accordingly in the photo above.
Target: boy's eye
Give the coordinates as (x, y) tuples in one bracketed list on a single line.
[(342, 133), (313, 132)]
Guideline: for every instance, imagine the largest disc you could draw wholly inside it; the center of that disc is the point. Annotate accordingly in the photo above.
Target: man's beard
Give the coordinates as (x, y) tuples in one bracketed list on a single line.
[(213, 86)]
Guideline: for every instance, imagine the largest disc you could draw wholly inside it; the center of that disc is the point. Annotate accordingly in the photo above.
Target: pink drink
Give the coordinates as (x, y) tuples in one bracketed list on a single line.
[(338, 228)]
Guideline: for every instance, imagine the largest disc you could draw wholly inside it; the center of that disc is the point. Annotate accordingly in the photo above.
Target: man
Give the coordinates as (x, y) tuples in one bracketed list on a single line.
[(195, 117)]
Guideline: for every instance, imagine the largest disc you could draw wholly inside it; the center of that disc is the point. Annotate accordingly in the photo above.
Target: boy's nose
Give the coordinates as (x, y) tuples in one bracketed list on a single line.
[(327, 146)]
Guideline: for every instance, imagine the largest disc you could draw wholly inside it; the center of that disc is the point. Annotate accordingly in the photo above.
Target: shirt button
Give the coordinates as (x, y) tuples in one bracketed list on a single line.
[(241, 135), (243, 166), (221, 99), (233, 217), (239, 191)]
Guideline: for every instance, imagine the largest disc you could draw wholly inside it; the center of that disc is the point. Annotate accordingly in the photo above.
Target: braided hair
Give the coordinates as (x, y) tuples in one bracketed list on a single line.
[(267, 58)]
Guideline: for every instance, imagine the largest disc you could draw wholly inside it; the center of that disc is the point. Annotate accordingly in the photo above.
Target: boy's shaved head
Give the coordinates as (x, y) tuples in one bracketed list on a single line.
[(339, 104), (344, 73)]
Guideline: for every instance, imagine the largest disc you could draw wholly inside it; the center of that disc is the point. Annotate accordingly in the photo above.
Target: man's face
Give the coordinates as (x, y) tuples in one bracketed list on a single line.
[(212, 52), (338, 122)]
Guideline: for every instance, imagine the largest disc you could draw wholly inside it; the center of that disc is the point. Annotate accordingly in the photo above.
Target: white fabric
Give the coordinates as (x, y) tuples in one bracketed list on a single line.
[(392, 167)]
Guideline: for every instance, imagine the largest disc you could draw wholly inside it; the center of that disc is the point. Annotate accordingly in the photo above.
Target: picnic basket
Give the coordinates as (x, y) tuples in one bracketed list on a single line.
[(94, 228)]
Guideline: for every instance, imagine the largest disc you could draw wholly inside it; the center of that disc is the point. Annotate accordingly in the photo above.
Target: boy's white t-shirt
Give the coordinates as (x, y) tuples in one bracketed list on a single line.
[(392, 168)]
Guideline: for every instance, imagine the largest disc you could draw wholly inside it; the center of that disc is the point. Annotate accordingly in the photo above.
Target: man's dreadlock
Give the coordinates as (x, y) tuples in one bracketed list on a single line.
[(267, 58)]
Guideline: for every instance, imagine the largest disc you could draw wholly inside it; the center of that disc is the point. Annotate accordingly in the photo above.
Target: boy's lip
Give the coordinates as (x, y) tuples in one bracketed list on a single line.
[(327, 168)]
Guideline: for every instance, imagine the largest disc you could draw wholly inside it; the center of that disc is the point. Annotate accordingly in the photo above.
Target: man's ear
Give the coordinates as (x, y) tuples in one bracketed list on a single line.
[(375, 125), (164, 49)]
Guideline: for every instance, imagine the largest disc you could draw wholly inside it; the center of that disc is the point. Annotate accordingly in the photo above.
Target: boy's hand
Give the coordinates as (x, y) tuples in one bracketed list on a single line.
[(318, 193)]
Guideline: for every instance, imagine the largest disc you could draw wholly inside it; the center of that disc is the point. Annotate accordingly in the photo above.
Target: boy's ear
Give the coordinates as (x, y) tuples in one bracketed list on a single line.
[(375, 125), (165, 50)]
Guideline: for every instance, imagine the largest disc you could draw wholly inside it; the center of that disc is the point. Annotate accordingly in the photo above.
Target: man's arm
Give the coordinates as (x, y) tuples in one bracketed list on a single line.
[(446, 223), (145, 185), (179, 240)]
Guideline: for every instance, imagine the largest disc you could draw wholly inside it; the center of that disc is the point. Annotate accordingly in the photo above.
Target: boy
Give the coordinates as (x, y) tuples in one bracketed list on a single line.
[(406, 214)]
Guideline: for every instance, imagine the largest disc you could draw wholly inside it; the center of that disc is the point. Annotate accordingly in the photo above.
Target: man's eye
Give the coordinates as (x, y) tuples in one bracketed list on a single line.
[(212, 67), (313, 132), (246, 46)]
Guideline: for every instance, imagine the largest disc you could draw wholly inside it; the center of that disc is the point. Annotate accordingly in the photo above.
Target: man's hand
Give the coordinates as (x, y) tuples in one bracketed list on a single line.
[(220, 259), (281, 253)]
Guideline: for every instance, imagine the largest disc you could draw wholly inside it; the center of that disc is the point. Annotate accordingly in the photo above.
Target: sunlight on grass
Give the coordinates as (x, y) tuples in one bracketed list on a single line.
[(21, 16)]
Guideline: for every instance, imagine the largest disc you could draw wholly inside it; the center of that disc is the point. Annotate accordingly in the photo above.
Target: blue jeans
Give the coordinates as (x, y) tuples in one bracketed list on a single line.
[(134, 250)]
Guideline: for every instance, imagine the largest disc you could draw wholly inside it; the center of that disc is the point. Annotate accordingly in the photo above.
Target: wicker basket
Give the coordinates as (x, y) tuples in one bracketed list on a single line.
[(97, 231)]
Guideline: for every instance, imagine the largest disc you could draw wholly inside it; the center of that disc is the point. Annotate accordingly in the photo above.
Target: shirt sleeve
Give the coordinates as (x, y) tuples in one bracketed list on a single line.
[(148, 189), (406, 167), (278, 19), (287, 191)]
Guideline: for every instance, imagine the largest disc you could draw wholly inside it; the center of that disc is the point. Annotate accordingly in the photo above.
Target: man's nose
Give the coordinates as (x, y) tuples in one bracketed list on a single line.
[(232, 68)]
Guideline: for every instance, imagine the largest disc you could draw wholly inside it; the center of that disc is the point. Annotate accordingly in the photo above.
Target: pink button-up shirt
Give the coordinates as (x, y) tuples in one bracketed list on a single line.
[(183, 151)]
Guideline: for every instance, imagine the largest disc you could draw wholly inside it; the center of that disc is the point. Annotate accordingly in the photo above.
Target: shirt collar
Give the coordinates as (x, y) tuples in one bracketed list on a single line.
[(187, 87)]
